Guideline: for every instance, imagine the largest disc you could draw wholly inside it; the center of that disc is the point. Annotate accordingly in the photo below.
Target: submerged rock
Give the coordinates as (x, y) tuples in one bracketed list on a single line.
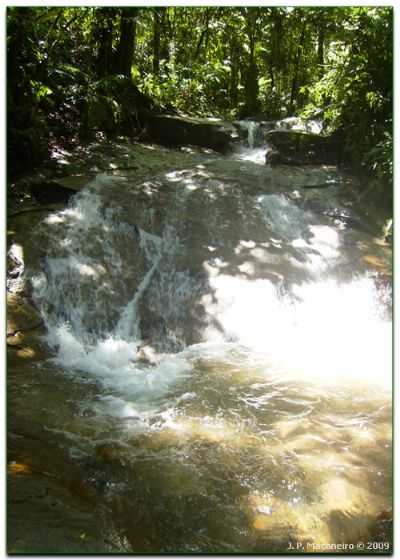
[(171, 130), (300, 148), (112, 454)]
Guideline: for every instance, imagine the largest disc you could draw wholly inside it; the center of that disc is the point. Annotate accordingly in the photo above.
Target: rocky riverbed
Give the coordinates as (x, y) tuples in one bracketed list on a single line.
[(232, 259)]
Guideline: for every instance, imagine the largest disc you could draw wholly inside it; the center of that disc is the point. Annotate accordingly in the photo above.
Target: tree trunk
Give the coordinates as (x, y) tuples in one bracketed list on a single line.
[(251, 71), (126, 46), (156, 40), (234, 77), (251, 89), (165, 34), (271, 75), (295, 84), (320, 50), (103, 34), (277, 65), (204, 34)]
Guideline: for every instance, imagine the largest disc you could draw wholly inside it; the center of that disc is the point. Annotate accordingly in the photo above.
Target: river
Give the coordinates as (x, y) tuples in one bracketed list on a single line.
[(219, 364)]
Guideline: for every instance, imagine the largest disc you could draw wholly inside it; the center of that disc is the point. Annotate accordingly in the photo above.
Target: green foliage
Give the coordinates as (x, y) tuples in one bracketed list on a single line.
[(380, 158), (355, 91), (77, 69), (40, 91)]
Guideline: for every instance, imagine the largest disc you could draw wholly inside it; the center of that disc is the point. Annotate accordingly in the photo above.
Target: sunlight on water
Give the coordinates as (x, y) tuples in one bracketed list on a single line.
[(329, 332), (231, 388), (254, 155), (322, 246)]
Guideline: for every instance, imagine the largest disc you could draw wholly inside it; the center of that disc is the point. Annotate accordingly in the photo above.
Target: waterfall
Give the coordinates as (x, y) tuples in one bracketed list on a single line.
[(253, 127), (217, 338), (108, 285), (254, 149), (92, 291), (220, 355), (254, 132)]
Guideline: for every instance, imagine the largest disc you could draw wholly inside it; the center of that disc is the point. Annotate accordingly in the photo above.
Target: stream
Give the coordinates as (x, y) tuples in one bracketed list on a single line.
[(219, 363)]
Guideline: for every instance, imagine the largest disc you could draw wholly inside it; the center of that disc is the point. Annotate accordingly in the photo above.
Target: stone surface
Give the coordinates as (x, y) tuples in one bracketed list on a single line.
[(51, 507), (67, 466), (58, 190), (179, 131), (21, 316), (299, 148)]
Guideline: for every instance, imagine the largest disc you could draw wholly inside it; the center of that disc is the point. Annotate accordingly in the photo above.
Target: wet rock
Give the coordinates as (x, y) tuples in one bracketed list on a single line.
[(23, 348), (15, 269), (50, 508), (45, 518), (21, 316), (273, 157), (112, 454), (382, 530), (300, 148), (73, 182), (51, 192), (24, 331), (57, 190), (148, 355), (179, 131)]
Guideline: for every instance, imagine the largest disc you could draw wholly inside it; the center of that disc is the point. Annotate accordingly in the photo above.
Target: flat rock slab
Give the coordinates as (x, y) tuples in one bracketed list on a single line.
[(299, 148), (74, 182), (172, 130), (51, 507), (58, 190)]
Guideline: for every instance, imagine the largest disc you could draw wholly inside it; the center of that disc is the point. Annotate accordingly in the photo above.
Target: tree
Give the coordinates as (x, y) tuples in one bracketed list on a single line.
[(127, 41), (86, 68), (103, 27), (250, 72)]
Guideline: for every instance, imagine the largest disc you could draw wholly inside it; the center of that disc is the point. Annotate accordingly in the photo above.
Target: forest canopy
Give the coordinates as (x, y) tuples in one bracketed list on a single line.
[(74, 70)]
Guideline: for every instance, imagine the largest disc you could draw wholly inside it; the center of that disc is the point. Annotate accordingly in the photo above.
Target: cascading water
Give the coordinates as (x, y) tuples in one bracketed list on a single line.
[(232, 347), (253, 133), (90, 294), (254, 145), (254, 151)]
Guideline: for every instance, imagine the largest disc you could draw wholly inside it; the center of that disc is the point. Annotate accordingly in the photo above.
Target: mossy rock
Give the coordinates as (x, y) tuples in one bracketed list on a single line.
[(171, 130), (290, 147)]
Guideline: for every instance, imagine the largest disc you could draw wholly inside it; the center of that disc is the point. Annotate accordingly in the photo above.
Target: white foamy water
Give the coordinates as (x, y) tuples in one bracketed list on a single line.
[(104, 278), (115, 363), (221, 364), (254, 155), (324, 332), (90, 297), (254, 149)]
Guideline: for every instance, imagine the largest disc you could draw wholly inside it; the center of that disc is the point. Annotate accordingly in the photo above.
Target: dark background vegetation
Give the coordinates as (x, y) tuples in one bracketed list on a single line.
[(77, 70)]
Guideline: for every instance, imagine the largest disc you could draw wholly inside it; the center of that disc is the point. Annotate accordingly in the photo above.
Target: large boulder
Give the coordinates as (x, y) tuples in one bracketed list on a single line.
[(300, 148), (172, 130)]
